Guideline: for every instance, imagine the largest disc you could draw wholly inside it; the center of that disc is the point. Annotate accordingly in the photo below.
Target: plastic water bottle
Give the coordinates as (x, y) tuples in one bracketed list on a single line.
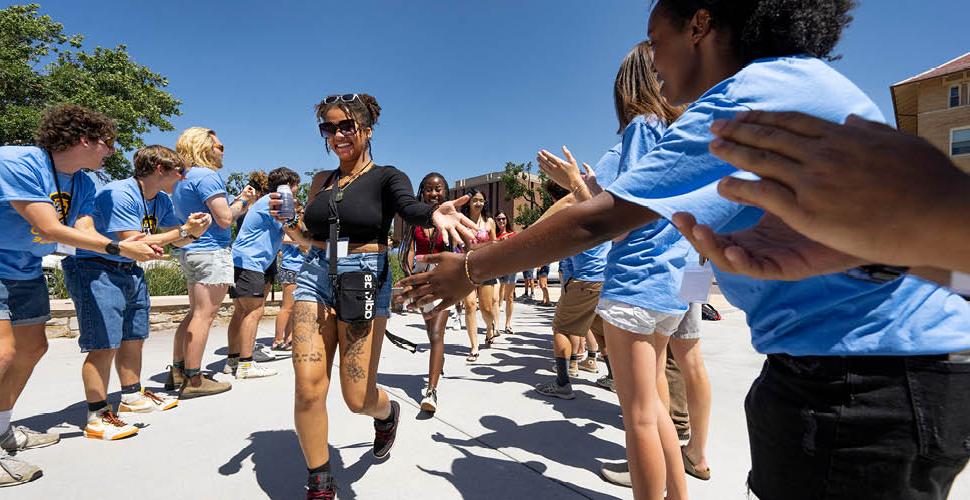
[(287, 209)]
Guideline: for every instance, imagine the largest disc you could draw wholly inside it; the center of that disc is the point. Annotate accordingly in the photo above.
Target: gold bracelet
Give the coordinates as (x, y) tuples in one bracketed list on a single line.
[(468, 274)]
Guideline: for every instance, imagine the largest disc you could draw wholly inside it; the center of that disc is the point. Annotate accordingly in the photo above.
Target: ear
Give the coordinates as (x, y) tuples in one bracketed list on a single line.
[(700, 25)]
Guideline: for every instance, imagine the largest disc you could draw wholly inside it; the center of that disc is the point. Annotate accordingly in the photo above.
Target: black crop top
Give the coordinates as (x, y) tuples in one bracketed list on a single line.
[(368, 206)]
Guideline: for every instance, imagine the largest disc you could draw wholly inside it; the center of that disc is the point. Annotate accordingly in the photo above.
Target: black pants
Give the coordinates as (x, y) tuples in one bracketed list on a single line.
[(858, 427)]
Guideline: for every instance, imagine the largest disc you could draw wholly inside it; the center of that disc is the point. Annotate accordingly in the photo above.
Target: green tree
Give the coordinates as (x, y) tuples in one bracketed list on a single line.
[(516, 181), (236, 182), (41, 66)]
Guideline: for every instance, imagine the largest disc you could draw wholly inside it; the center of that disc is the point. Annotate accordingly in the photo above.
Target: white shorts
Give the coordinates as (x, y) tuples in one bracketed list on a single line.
[(647, 322)]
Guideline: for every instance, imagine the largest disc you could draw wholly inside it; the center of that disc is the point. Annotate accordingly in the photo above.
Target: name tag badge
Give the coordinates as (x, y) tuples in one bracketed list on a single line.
[(63, 249), (343, 245), (696, 287)]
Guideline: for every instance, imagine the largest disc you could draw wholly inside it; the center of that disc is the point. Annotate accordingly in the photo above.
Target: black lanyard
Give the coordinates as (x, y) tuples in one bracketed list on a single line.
[(60, 197), (144, 202)]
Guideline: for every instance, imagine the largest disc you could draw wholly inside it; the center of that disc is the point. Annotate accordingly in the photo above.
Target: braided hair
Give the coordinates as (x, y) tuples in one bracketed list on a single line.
[(407, 236)]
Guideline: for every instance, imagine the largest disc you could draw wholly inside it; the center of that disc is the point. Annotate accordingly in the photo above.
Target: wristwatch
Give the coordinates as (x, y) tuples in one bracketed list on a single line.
[(185, 234), (112, 248)]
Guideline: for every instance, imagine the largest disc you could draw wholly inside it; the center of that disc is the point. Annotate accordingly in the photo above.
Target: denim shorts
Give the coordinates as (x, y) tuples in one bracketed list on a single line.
[(826, 427), (544, 271), (24, 302), (529, 274), (313, 281), (207, 267), (111, 301), (287, 276), (508, 279), (644, 321)]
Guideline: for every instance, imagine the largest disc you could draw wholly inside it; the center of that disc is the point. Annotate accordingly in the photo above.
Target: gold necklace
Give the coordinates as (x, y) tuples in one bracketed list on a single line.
[(352, 178)]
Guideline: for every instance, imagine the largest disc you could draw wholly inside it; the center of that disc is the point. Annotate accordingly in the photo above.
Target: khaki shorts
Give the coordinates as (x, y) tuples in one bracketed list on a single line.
[(208, 267), (576, 311)]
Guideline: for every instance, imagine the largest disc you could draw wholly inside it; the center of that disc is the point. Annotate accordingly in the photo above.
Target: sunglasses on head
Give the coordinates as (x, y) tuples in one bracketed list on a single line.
[(332, 99), (347, 127)]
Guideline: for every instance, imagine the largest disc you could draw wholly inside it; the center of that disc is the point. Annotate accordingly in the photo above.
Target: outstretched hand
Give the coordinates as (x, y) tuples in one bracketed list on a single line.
[(563, 172), (446, 282), (770, 250), (452, 224)]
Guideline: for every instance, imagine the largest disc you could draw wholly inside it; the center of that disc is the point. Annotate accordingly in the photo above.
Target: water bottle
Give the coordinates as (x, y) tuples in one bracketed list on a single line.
[(287, 210)]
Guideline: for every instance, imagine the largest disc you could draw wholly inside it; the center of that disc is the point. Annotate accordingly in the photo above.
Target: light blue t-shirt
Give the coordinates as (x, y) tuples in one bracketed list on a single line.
[(646, 268), (259, 238), (26, 175), (201, 184), (119, 206), (832, 314), (292, 259), (566, 270), (590, 264)]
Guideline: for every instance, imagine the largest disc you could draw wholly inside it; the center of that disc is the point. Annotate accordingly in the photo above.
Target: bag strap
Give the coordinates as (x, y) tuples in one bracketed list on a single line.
[(334, 224)]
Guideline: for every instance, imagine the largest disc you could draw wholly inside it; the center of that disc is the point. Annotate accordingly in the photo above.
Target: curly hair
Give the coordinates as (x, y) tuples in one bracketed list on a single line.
[(364, 110), (772, 28), (260, 181), (149, 157), (64, 125), (407, 236)]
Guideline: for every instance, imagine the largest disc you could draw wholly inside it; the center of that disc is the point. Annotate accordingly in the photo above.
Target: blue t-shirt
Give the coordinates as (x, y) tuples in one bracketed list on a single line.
[(646, 268), (292, 259), (201, 184), (119, 206), (26, 175), (590, 264), (566, 270), (824, 315), (259, 238)]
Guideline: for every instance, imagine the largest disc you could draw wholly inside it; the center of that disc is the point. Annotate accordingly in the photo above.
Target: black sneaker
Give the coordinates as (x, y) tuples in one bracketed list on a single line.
[(321, 486), (384, 434)]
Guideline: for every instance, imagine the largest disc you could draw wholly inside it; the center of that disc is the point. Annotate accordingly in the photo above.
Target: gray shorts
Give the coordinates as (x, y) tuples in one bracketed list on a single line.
[(207, 267), (647, 322)]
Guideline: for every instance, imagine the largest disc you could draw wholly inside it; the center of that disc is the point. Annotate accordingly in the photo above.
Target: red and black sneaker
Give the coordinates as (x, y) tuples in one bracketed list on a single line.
[(321, 486), (384, 434)]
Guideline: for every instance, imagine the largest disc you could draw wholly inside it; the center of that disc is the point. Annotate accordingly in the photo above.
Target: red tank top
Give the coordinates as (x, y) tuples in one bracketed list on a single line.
[(423, 245)]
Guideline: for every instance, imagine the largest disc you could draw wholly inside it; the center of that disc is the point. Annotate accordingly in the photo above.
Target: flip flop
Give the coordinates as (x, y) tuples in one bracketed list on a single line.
[(473, 357), (689, 467)]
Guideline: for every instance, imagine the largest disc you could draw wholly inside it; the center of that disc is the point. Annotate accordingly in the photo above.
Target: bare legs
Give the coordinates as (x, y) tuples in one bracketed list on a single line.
[(316, 337), (436, 336), (193, 332), (21, 347), (507, 294), (284, 327), (653, 450)]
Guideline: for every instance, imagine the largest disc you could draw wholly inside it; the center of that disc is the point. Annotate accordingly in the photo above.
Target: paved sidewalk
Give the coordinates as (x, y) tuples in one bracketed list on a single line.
[(492, 437)]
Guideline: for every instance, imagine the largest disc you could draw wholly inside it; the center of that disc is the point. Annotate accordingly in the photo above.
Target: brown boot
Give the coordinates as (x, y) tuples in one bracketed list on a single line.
[(174, 380), (199, 386)]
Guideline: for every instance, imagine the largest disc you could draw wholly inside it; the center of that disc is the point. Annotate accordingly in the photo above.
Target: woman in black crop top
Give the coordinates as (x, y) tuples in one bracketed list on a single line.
[(368, 198)]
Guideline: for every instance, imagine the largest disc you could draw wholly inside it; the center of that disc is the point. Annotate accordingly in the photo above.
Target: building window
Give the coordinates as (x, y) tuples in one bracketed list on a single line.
[(960, 142), (954, 96)]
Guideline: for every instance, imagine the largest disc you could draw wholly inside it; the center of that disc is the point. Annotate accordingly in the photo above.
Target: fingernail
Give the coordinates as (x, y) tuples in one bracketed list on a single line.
[(717, 125), (718, 143)]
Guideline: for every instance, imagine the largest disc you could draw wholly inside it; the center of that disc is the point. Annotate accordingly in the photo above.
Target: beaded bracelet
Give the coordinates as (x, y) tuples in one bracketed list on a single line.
[(468, 274)]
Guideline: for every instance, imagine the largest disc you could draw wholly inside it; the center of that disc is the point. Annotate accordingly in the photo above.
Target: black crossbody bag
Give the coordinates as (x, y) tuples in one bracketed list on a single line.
[(355, 292)]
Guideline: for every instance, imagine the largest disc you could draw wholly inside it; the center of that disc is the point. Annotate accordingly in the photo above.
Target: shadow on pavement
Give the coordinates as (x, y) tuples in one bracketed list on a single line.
[(280, 470)]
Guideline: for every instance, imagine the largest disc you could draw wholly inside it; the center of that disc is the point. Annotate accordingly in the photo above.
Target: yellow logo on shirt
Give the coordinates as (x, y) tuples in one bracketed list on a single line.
[(149, 224), (62, 205)]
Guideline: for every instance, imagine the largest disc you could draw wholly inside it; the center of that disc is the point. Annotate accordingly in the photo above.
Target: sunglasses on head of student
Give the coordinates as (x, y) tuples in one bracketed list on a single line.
[(347, 127), (333, 99)]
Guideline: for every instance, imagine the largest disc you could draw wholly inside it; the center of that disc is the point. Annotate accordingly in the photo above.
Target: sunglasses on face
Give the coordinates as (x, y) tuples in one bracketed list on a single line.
[(347, 127), (332, 99), (500, 218), (220, 147)]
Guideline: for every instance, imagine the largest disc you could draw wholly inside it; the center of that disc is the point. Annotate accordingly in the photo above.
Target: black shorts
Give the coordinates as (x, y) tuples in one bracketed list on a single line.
[(251, 284)]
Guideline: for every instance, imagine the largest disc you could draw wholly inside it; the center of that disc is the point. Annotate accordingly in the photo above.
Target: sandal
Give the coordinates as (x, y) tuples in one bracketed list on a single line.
[(473, 357), (508, 331), (703, 475)]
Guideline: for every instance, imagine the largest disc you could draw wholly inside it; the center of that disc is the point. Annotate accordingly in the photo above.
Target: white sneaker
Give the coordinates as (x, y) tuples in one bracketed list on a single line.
[(262, 354), (430, 401), (104, 424), (146, 402), (231, 364), (250, 369), (14, 472)]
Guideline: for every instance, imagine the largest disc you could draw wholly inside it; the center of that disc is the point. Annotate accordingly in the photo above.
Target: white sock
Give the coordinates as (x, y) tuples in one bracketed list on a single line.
[(5, 420)]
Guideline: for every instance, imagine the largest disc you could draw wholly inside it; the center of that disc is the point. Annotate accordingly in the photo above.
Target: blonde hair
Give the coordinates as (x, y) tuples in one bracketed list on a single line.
[(636, 90), (196, 145)]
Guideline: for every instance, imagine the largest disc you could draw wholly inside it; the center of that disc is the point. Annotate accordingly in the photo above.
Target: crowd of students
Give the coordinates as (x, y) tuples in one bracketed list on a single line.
[(868, 364)]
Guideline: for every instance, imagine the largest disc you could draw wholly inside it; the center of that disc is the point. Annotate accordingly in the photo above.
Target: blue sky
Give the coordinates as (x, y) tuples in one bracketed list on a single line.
[(465, 85)]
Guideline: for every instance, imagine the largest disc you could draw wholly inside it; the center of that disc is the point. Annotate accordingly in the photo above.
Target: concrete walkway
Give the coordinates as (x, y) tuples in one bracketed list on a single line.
[(492, 437)]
